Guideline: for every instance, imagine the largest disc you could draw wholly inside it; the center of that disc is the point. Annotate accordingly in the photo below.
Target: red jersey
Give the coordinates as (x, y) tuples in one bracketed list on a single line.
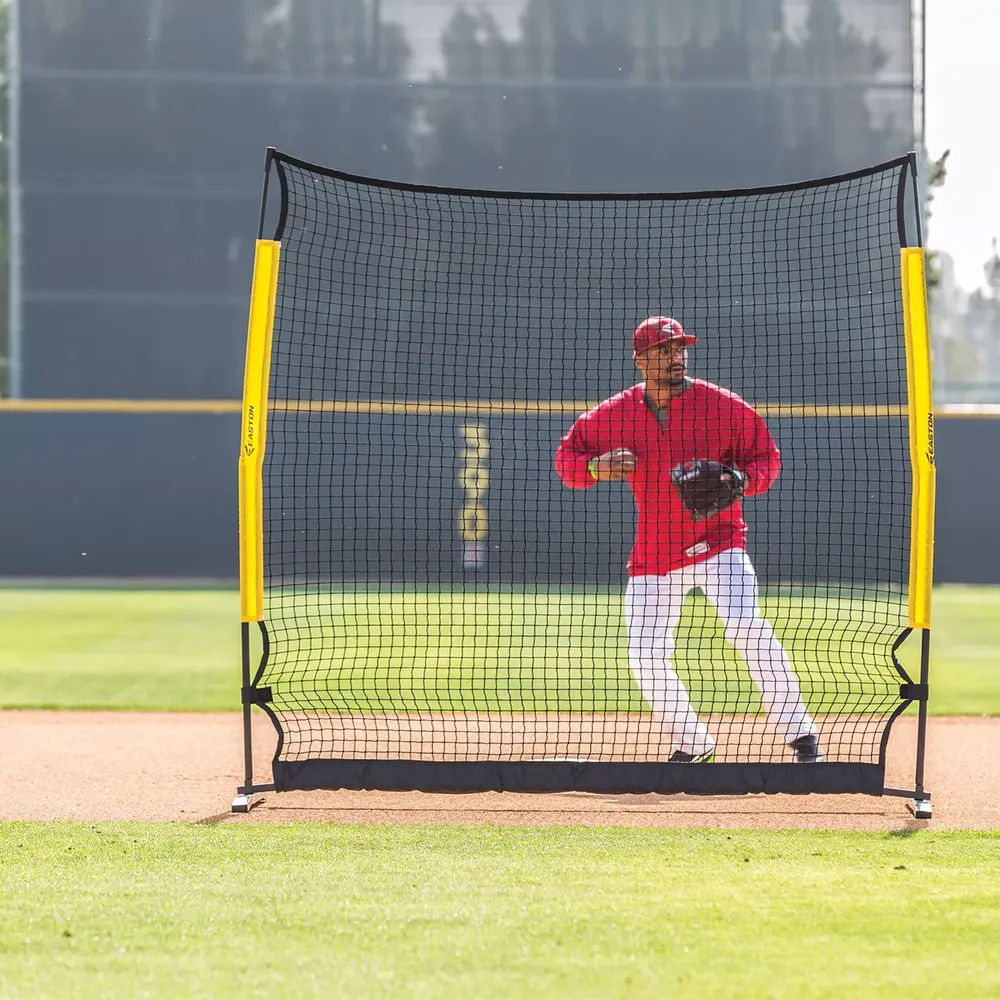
[(705, 421)]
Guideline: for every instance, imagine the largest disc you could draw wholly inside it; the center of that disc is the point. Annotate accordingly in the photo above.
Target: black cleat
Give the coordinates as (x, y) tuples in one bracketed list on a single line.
[(807, 750), (680, 757)]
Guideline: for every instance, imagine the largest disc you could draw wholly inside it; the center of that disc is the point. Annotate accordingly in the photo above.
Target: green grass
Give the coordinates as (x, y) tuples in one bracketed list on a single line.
[(131, 910), (965, 658), (137, 649), (173, 649), (547, 650)]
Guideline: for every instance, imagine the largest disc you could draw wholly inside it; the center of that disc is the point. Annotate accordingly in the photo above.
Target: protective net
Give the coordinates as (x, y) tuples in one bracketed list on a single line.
[(435, 592)]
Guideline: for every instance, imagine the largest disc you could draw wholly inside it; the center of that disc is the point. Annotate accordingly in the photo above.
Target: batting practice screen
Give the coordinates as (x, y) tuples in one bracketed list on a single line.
[(464, 537)]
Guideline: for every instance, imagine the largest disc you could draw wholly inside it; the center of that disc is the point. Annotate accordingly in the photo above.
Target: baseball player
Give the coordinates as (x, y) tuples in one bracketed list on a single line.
[(690, 450)]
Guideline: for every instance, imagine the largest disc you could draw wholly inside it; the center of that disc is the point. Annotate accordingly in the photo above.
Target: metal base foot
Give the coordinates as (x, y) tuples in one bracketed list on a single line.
[(244, 803), (921, 808)]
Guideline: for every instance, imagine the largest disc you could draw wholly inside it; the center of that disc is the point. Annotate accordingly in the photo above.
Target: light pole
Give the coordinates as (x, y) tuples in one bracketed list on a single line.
[(376, 35), (14, 196)]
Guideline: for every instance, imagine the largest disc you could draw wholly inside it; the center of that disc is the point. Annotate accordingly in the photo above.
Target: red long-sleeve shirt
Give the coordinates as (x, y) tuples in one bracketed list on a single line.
[(705, 421)]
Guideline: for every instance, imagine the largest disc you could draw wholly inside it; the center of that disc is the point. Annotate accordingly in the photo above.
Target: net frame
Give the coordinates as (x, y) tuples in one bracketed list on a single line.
[(603, 776)]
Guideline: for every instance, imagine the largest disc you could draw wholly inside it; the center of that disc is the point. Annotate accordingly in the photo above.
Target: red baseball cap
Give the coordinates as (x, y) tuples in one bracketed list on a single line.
[(659, 330)]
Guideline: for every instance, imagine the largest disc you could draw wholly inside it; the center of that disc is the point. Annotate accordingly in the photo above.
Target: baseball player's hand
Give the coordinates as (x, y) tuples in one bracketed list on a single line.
[(614, 465)]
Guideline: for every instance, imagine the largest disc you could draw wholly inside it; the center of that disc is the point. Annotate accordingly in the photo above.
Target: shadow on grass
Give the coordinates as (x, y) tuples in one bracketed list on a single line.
[(913, 827)]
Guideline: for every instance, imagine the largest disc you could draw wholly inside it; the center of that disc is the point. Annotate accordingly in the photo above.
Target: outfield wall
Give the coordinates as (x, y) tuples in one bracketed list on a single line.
[(153, 494)]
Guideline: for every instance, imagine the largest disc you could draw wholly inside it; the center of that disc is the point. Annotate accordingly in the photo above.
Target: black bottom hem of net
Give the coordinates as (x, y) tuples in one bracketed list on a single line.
[(604, 777)]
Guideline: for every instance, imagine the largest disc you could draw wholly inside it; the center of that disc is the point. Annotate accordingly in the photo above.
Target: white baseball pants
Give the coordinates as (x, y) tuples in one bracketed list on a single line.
[(652, 611)]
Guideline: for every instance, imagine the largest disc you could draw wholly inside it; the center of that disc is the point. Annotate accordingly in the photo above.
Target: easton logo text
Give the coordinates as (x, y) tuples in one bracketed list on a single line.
[(249, 446)]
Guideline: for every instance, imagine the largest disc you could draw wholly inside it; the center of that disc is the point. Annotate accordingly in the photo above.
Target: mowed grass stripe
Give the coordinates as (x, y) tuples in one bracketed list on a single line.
[(550, 651), (502, 650), (393, 911)]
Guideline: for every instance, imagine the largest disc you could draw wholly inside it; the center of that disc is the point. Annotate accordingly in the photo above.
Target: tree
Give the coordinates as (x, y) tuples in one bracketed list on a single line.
[(70, 34), (364, 128), (724, 136), (467, 145), (160, 165), (827, 123), (622, 94), (937, 174), (984, 306), (544, 132), (966, 333), (588, 132)]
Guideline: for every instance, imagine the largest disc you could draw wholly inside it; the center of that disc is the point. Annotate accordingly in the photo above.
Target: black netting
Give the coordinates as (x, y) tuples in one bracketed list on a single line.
[(435, 592)]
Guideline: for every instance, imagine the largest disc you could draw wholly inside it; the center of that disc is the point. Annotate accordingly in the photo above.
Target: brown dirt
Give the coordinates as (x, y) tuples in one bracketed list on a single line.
[(157, 766), (555, 735)]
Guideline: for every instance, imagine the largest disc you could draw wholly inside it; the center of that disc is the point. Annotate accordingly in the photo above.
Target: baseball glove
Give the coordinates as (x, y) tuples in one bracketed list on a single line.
[(702, 488)]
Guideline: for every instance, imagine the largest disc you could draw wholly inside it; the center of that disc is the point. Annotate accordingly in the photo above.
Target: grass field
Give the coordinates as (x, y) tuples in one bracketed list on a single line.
[(178, 650), (373, 911), (382, 911)]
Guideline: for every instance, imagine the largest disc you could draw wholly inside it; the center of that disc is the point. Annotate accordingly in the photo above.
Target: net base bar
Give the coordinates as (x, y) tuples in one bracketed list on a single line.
[(605, 777)]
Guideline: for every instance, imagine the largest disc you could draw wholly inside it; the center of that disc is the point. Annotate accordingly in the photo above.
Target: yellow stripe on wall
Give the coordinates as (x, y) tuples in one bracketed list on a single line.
[(514, 408), (253, 440), (120, 406), (457, 407), (918, 379)]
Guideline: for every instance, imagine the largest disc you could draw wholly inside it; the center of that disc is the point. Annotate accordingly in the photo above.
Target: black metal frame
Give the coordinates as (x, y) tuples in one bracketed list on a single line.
[(254, 695), (604, 777)]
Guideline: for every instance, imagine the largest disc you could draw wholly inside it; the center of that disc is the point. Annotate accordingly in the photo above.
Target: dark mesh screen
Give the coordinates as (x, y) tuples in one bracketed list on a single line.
[(435, 592)]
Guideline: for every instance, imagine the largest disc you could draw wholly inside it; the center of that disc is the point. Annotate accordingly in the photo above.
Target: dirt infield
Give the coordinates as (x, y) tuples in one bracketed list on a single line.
[(620, 736), (159, 766)]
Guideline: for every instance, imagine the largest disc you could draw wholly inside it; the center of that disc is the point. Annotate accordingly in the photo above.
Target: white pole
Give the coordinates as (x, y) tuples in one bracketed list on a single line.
[(920, 78), (923, 76), (14, 193), (920, 91)]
